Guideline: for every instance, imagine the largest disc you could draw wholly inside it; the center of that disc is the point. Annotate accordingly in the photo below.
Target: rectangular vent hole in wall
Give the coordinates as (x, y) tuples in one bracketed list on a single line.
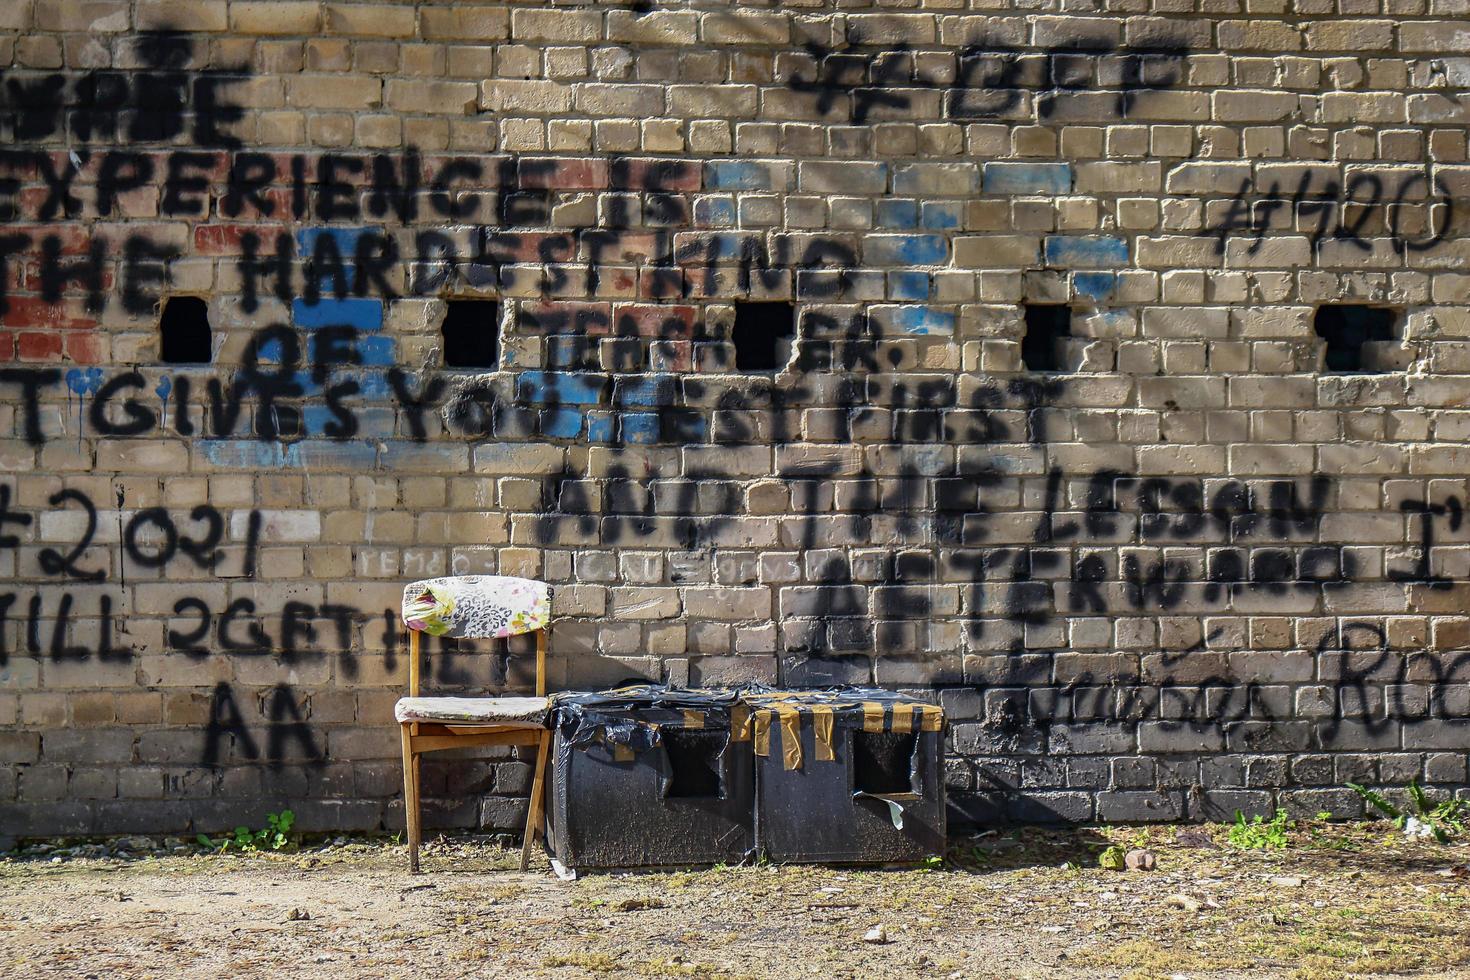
[(1048, 327), (694, 762), (184, 336), (1357, 337), (881, 761), (763, 335), (471, 332)]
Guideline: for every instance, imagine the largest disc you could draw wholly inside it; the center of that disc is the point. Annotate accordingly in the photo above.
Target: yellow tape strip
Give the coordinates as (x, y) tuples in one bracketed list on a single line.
[(872, 716), (790, 735), (621, 753), (740, 723), (822, 730), (763, 733), (903, 717), (693, 719), (931, 718)]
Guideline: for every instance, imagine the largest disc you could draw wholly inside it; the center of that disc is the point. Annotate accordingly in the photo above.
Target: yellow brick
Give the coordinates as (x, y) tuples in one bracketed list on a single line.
[(15, 15), (38, 51), (328, 54), (92, 16), (465, 23), (556, 25), (569, 134), (282, 128), (522, 134), (471, 61), (663, 135), (746, 28), (663, 27), (334, 92), (370, 20), (330, 129), (276, 17), (516, 95), (440, 98), (379, 131)]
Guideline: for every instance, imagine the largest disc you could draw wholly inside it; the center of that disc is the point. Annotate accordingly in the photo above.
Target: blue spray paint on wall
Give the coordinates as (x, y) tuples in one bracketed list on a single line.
[(1085, 251)]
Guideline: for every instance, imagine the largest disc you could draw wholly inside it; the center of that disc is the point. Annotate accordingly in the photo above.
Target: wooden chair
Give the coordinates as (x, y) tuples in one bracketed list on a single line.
[(480, 607)]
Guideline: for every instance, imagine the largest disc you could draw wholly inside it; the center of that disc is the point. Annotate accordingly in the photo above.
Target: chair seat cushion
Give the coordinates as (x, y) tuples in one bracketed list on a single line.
[(473, 711), (479, 606)]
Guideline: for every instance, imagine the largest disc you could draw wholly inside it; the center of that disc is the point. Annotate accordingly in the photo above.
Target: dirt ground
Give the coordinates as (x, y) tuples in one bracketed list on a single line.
[(1338, 901)]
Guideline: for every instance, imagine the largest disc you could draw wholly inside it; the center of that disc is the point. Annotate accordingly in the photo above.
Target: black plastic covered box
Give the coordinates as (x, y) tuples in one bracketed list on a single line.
[(648, 776), (852, 775)]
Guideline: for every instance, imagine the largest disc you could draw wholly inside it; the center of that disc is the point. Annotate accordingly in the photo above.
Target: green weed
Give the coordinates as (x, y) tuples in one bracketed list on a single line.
[(1441, 821), (1260, 834), (588, 962), (274, 836)]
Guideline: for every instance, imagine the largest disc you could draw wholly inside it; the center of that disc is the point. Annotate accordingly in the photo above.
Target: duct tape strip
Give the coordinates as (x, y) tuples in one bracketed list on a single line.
[(872, 716), (790, 716), (693, 719), (903, 717), (931, 718), (822, 732), (740, 723), (763, 732), (621, 753)]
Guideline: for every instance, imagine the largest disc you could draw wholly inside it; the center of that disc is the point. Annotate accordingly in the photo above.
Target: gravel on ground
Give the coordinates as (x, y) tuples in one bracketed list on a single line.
[(1339, 900)]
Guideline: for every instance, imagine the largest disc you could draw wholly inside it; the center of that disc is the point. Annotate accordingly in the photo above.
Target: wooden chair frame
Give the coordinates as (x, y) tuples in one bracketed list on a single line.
[(420, 737)]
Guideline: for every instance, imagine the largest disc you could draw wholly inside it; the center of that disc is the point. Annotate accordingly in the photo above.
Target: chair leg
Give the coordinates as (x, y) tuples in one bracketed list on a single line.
[(535, 806), (411, 800)]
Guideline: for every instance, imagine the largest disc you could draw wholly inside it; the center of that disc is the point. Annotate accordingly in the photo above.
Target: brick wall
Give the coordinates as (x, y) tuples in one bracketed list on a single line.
[(479, 282)]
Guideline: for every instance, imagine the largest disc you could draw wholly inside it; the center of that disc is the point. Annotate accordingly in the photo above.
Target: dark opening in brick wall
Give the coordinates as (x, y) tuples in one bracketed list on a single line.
[(763, 335), (882, 761), (1350, 331), (694, 762), (1048, 325), (471, 332), (183, 331)]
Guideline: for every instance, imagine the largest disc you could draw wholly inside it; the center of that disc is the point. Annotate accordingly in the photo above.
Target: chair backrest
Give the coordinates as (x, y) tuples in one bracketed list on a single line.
[(484, 607)]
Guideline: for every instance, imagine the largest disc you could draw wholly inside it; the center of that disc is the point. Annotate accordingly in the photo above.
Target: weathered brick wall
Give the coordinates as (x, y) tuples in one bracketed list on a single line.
[(1191, 569)]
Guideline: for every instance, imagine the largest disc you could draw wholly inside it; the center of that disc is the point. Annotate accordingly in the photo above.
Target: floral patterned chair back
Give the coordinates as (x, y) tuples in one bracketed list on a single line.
[(489, 607)]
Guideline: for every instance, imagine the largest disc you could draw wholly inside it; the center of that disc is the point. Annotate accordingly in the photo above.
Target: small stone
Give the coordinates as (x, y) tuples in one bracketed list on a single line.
[(1139, 859), (1182, 901), (1287, 881), (298, 915), (876, 935)]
